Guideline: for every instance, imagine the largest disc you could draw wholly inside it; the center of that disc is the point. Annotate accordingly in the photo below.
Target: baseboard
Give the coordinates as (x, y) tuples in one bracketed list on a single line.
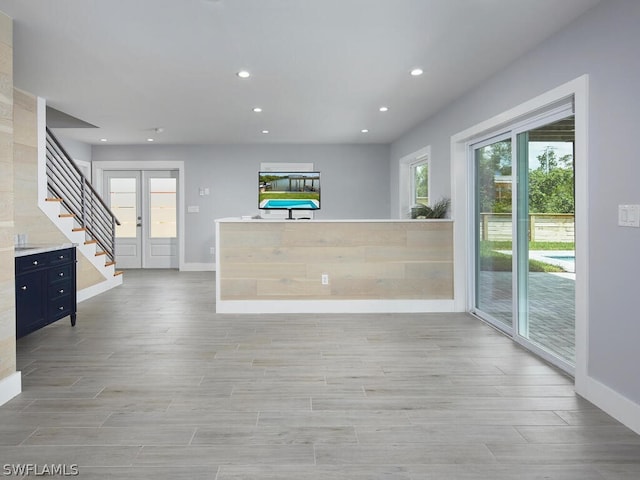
[(98, 288), (198, 267), (10, 387), (613, 403), (334, 306)]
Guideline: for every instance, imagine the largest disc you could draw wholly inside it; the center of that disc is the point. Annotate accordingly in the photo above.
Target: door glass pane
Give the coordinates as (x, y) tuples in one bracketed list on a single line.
[(421, 184), (162, 201), (494, 246), (123, 201), (547, 289)]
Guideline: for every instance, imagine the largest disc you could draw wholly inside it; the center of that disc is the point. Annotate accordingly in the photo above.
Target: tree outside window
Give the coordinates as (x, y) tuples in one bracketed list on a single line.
[(420, 181)]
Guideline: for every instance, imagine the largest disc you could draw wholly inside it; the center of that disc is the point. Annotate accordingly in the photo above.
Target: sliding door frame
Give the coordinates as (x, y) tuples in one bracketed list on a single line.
[(463, 204), (519, 278)]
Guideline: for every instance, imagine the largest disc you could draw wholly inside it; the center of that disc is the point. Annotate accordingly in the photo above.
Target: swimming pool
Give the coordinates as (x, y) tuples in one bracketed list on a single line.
[(566, 258), (290, 204)]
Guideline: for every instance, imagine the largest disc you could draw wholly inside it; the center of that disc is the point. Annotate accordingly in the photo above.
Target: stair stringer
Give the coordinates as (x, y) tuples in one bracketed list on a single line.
[(52, 210)]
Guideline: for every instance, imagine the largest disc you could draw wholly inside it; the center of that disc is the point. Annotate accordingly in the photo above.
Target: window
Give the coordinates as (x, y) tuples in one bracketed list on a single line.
[(414, 181), (162, 207), (420, 182)]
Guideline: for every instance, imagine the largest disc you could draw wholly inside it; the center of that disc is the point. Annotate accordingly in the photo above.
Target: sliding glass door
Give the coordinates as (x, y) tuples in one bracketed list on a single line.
[(524, 235), (546, 238), (494, 227)]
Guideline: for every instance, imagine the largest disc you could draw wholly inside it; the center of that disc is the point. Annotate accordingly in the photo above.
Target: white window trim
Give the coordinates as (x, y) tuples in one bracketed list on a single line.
[(405, 178)]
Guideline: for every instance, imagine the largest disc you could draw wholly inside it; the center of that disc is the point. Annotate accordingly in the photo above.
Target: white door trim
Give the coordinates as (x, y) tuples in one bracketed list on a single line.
[(98, 174), (462, 206)]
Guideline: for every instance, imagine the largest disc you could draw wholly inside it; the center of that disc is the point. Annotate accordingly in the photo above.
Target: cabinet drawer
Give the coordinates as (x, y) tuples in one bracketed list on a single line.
[(60, 256), (29, 263), (60, 307), (59, 273), (60, 289)]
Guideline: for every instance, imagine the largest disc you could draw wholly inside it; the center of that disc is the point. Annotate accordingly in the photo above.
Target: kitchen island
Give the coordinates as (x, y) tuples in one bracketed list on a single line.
[(331, 266)]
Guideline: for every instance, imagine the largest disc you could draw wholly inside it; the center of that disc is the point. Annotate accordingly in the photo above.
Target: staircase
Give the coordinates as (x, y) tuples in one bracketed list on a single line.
[(79, 212)]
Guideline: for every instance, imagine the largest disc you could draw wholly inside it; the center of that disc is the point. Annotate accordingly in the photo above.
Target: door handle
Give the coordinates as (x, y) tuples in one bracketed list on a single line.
[(138, 224)]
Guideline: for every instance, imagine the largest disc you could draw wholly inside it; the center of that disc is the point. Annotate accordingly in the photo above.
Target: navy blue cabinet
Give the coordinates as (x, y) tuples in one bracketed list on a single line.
[(45, 289)]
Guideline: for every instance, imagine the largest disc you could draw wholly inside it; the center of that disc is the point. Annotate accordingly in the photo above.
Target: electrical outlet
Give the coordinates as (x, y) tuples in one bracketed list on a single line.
[(325, 279)]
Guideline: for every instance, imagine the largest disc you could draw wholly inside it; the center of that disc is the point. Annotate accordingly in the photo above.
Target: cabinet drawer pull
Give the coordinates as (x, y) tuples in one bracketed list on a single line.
[(61, 257), (24, 287), (35, 262), (60, 308), (61, 274), (60, 291)]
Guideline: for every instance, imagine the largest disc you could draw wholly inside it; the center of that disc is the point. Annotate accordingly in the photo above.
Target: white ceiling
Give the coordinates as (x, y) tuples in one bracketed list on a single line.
[(320, 68)]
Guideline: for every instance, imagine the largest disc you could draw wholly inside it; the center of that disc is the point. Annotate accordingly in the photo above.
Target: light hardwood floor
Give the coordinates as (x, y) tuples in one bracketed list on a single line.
[(151, 383)]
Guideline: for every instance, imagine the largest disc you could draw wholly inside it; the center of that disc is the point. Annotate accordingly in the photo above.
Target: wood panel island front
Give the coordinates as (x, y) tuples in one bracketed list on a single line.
[(320, 266)]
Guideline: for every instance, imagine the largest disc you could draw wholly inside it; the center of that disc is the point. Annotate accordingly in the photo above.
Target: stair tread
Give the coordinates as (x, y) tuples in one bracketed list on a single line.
[(67, 215), (108, 264), (100, 253), (52, 199), (119, 272), (79, 229), (89, 242)]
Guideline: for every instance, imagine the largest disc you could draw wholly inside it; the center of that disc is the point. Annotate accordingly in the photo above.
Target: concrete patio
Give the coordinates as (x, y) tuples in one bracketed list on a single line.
[(551, 307)]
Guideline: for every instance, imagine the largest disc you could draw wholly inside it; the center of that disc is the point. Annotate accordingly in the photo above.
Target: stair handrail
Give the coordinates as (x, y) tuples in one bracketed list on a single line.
[(67, 182)]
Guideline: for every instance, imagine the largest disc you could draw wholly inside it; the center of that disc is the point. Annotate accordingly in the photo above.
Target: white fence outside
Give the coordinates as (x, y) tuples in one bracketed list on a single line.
[(543, 227)]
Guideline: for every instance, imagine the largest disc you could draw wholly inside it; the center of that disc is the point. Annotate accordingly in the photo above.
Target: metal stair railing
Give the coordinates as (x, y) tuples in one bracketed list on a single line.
[(67, 182)]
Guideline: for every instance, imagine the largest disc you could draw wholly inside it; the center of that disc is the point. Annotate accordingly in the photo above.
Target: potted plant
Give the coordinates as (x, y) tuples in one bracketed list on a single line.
[(438, 210)]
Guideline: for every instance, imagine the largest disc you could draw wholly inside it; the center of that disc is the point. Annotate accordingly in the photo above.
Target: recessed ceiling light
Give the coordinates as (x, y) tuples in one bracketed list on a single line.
[(265, 131), (158, 129), (416, 72), (243, 74), (103, 139), (384, 109), (365, 130), (149, 139), (257, 109)]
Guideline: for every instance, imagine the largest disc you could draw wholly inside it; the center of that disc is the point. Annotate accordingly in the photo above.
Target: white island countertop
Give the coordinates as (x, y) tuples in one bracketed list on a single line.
[(340, 220), (31, 249)]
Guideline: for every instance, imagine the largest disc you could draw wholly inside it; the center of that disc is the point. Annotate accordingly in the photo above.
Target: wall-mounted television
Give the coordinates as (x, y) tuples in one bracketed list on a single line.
[(289, 191)]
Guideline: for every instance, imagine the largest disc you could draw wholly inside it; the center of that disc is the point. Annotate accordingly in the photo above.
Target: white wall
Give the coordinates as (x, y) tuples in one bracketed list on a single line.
[(355, 181), (603, 43)]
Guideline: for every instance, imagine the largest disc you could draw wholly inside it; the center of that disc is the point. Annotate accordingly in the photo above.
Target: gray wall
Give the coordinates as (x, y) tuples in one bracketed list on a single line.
[(604, 44), (77, 150), (355, 181)]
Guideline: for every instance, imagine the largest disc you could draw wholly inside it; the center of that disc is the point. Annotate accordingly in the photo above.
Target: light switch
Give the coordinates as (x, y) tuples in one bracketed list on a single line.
[(193, 209), (629, 216)]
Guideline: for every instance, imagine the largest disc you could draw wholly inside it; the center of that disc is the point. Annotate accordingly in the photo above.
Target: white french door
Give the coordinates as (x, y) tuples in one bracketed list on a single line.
[(145, 203)]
